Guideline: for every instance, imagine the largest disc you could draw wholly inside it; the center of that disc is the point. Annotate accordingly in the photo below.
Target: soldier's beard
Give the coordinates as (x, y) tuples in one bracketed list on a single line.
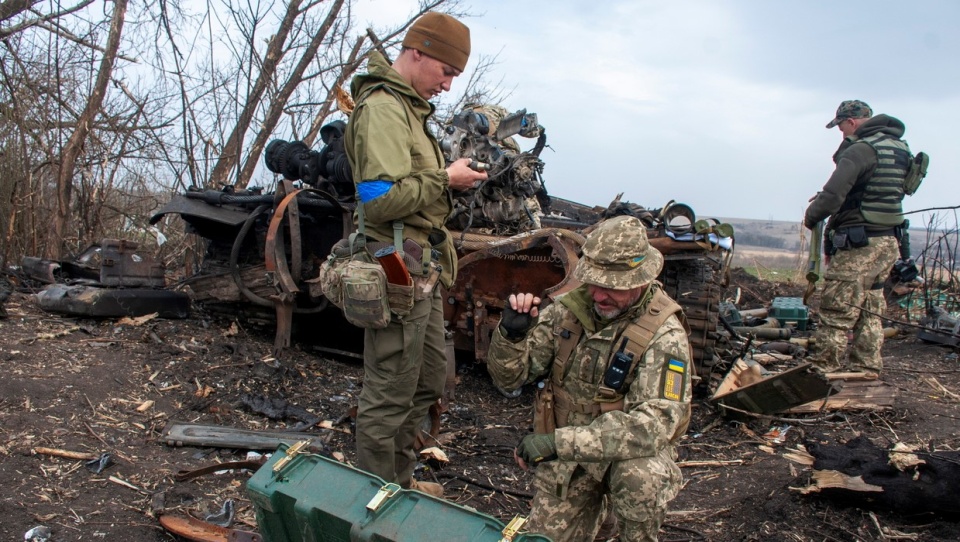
[(615, 307), (608, 314)]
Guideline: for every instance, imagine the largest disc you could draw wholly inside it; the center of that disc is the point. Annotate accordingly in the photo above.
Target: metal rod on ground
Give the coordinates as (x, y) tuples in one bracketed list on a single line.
[(766, 333)]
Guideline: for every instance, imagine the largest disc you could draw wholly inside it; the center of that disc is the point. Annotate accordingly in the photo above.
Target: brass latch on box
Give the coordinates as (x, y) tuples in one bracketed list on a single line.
[(513, 528), (381, 497), (291, 452)]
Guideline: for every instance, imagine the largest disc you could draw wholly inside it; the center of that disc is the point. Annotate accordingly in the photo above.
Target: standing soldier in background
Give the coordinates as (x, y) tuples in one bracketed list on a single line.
[(403, 190), (615, 397), (863, 202)]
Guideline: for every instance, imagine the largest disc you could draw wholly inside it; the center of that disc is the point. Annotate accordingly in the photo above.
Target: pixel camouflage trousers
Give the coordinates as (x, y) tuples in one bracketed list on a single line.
[(854, 281), (637, 489)]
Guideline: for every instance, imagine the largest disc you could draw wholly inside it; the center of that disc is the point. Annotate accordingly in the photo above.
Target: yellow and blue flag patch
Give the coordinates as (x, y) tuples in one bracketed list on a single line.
[(673, 379)]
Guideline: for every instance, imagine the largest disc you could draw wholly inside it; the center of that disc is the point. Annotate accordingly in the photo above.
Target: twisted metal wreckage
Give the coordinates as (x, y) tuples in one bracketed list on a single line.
[(264, 250)]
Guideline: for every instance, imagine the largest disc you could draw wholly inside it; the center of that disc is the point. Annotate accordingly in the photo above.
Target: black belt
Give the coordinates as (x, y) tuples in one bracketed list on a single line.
[(882, 233)]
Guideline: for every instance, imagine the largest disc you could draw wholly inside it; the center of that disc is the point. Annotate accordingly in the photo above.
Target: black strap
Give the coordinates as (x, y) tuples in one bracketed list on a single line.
[(570, 331)]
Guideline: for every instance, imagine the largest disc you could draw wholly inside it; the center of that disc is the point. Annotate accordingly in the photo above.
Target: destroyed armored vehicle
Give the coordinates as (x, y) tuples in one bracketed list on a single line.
[(263, 250)]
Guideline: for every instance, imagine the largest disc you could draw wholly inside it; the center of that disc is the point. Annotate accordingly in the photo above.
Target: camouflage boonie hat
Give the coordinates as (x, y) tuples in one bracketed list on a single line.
[(617, 255), (851, 109)]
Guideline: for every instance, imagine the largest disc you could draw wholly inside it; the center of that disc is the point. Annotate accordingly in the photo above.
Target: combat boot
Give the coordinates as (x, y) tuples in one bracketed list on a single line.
[(430, 488), (609, 529)]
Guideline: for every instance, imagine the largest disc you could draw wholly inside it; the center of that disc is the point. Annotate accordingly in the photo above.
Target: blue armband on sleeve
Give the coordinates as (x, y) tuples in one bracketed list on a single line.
[(371, 190)]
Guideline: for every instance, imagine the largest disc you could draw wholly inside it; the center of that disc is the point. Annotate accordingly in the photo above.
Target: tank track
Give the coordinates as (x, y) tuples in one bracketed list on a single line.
[(695, 284)]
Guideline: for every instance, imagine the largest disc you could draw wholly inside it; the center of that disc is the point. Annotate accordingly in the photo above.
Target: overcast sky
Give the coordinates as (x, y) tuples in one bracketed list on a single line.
[(719, 104)]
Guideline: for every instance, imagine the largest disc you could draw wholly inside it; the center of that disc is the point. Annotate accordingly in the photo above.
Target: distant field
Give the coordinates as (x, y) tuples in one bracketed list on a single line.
[(771, 264), (770, 249), (791, 235), (778, 250)]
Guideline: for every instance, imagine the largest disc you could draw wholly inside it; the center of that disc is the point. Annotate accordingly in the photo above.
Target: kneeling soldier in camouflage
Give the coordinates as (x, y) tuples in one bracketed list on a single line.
[(614, 367)]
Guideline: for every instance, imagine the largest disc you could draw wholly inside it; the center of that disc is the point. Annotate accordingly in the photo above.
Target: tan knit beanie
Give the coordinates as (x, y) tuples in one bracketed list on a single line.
[(442, 37)]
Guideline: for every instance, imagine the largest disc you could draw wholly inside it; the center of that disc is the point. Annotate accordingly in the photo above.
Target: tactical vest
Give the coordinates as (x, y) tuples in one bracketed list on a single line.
[(880, 198), (637, 334)]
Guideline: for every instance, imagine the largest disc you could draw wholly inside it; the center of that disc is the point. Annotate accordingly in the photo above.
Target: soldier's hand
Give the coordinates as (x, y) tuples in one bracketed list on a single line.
[(537, 447), (519, 315), (462, 177)]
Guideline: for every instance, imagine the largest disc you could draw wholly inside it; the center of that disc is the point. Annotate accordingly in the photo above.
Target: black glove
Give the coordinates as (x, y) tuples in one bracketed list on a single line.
[(537, 447), (515, 325)]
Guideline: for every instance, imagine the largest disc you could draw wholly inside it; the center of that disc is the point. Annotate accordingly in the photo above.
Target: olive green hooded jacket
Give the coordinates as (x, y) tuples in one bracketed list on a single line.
[(389, 143)]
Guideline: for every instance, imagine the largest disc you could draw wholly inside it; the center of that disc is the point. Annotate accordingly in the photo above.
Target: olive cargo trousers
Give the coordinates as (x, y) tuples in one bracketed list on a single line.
[(404, 370)]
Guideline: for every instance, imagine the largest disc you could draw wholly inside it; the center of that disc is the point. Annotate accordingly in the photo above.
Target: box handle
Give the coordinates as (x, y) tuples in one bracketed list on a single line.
[(381, 497), (291, 452), (513, 528)]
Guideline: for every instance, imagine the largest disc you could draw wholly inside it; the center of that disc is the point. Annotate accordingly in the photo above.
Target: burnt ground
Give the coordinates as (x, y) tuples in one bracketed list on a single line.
[(98, 386)]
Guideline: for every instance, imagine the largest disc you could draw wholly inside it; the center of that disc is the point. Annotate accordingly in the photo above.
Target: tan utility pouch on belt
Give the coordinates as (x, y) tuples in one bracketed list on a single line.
[(425, 284), (400, 298), (359, 287), (544, 419), (365, 295), (331, 272)]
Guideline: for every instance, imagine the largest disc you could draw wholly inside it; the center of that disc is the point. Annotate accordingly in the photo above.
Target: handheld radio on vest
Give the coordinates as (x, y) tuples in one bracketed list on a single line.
[(617, 371)]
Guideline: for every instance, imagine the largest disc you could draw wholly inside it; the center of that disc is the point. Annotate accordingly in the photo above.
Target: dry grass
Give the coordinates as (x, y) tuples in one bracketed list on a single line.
[(771, 264)]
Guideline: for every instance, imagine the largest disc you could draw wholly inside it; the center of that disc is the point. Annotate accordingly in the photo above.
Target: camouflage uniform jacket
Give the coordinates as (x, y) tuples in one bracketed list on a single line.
[(389, 143), (856, 162), (649, 425)]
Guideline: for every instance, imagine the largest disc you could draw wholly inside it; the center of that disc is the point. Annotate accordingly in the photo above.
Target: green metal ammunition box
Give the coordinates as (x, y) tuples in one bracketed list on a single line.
[(790, 310), (315, 499)]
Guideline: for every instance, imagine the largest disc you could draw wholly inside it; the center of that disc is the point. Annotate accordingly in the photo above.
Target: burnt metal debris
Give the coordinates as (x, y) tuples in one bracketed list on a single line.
[(263, 249), (108, 279), (187, 434), (940, 327)]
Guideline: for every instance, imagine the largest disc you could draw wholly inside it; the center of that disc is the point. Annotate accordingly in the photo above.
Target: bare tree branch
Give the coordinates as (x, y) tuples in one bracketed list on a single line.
[(276, 108), (9, 31), (80, 41), (955, 207), (229, 160), (75, 145)]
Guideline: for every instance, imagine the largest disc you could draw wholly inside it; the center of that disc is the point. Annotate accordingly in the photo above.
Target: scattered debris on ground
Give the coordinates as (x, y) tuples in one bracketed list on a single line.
[(82, 394)]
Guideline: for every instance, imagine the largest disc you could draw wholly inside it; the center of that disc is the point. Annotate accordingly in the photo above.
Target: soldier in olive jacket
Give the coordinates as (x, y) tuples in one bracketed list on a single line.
[(402, 184)]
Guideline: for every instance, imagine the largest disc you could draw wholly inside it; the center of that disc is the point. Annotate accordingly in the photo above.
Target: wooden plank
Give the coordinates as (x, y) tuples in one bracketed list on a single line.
[(221, 286), (732, 380), (855, 395)]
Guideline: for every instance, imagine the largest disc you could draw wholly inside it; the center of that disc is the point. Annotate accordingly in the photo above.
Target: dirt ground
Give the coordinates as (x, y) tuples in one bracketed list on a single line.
[(97, 386)]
